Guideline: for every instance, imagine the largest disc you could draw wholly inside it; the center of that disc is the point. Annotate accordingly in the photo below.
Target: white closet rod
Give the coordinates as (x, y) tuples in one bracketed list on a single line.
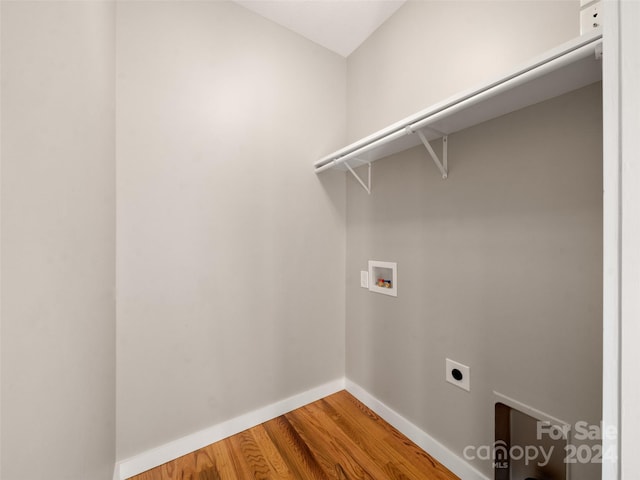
[(508, 83), (369, 146)]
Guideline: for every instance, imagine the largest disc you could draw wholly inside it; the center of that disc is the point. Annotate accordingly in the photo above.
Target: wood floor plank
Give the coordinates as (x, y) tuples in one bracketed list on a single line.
[(294, 451), (223, 461), (186, 467), (241, 451), (250, 455), (373, 442), (271, 454), (336, 438), (333, 445), (396, 440)]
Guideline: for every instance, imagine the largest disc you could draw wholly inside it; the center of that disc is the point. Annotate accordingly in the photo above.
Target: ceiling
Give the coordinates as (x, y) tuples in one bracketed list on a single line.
[(339, 25)]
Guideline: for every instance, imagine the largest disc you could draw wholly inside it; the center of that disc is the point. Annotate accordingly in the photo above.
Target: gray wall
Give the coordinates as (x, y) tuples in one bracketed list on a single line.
[(629, 48), (500, 261), (499, 268), (231, 252), (58, 241), (430, 50)]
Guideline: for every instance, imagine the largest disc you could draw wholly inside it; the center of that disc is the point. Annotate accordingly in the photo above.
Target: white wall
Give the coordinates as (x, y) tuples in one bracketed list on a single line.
[(230, 251), (430, 50), (499, 265), (499, 268), (231, 255), (630, 219), (58, 241)]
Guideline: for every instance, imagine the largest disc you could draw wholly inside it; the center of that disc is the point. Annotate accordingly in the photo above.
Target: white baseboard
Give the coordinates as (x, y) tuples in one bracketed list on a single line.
[(177, 448), (182, 446), (449, 459)]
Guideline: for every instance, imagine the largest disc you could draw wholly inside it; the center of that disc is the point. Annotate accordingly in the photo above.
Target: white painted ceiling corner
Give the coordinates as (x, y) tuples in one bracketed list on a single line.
[(339, 25)]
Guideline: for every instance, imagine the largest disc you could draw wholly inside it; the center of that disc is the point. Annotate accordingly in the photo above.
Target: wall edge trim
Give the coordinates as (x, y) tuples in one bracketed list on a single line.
[(171, 450), (448, 458)]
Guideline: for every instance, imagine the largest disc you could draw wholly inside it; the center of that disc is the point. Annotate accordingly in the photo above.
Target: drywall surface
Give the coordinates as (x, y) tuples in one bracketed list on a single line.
[(630, 149), (430, 50), (58, 241), (499, 268), (231, 251)]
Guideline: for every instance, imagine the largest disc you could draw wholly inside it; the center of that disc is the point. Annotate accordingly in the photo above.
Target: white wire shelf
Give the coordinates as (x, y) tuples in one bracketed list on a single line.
[(566, 68)]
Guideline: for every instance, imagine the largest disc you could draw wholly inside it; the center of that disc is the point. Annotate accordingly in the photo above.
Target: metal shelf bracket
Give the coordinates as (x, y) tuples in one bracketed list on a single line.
[(366, 186), (442, 165)]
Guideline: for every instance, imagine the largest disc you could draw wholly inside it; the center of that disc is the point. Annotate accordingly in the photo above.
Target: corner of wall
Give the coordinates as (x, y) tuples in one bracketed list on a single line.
[(169, 451), (421, 438)]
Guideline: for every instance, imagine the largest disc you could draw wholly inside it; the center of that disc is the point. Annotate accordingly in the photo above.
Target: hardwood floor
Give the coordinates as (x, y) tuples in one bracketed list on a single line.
[(336, 438)]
